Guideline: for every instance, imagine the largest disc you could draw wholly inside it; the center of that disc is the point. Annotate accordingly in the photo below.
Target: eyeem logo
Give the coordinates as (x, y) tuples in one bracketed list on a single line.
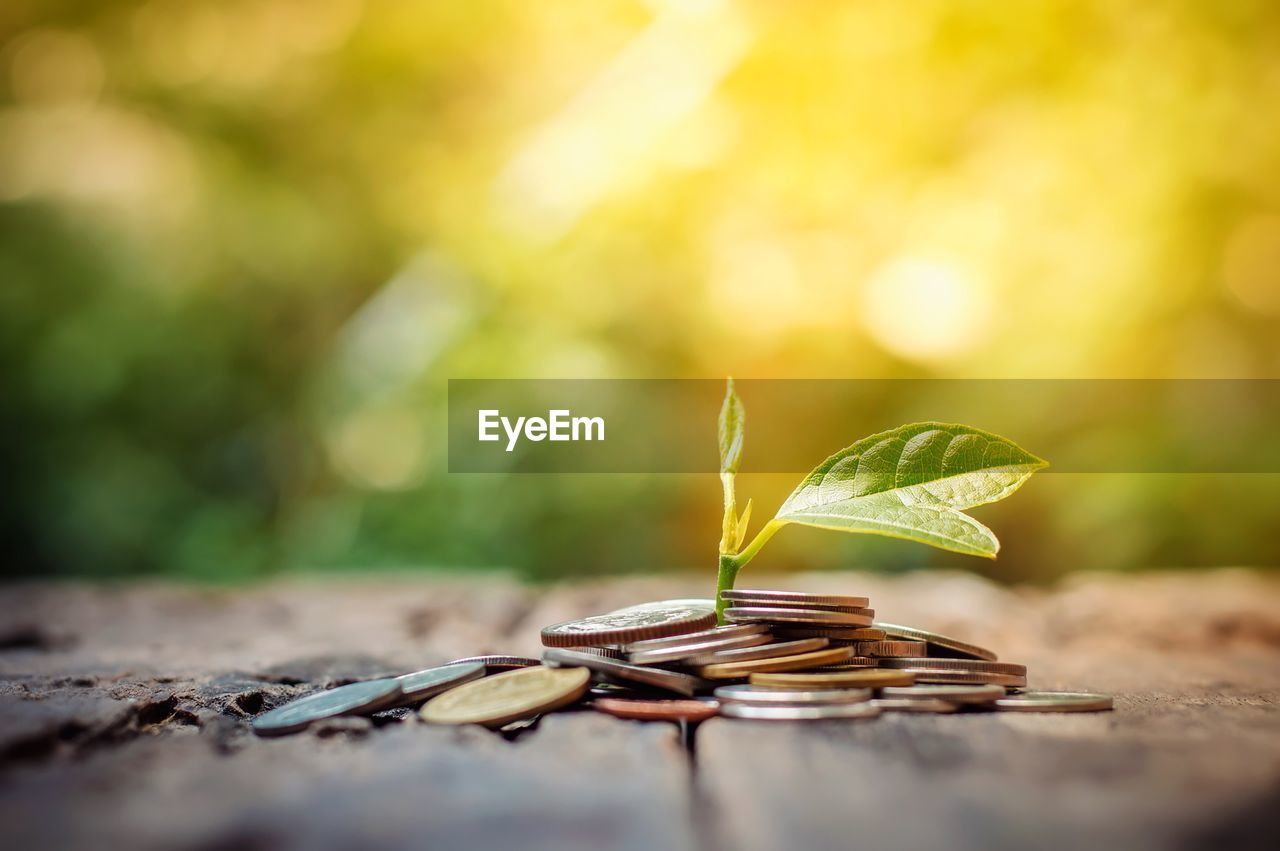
[(558, 426)]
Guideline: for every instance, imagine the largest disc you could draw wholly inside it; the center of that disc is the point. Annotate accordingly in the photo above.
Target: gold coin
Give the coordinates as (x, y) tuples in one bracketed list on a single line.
[(889, 648), (799, 662), (969, 666), (850, 663), (864, 678), (962, 678), (502, 698), (904, 704)]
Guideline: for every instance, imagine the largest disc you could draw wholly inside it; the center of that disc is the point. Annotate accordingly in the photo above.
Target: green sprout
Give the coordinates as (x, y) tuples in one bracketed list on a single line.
[(912, 482)]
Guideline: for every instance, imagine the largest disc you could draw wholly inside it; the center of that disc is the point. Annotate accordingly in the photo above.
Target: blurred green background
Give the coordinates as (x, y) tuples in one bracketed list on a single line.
[(244, 243)]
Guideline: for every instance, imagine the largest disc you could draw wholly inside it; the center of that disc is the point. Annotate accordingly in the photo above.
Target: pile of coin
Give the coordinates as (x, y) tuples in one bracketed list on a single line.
[(782, 655)]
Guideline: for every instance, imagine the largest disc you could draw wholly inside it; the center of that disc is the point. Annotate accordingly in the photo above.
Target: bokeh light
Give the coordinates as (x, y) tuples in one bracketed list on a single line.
[(244, 243)]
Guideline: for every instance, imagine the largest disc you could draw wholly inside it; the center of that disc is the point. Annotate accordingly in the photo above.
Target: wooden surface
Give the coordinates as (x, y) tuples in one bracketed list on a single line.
[(123, 724)]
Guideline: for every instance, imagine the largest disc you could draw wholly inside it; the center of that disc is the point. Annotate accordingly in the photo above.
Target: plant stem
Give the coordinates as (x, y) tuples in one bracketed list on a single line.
[(731, 563), (729, 567), (729, 528)]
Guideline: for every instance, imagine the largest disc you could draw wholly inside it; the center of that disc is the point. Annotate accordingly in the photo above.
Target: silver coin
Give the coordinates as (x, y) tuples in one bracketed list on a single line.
[(762, 614), (678, 652), (952, 694), (761, 696), (796, 599), (355, 699), (634, 623), (623, 673), (421, 685), (914, 704), (831, 712), (497, 662), (939, 645), (727, 631), (763, 651), (1055, 701), (606, 652)]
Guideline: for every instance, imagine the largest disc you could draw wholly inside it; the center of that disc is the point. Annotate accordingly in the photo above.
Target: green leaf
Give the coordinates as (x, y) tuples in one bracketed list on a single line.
[(914, 482), (733, 426)]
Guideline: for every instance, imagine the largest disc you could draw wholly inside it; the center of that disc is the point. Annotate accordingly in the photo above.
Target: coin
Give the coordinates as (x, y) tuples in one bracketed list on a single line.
[(939, 645), (494, 663), (808, 607), (605, 652), (971, 666), (728, 631), (865, 678), (421, 685), (761, 696), (763, 651), (630, 692), (835, 633), (905, 704), (889, 648), (1055, 701), (756, 614), (657, 710), (962, 678), (850, 663), (678, 652), (502, 698), (827, 712), (614, 670), (797, 599), (354, 699), (953, 694), (800, 661), (634, 623)]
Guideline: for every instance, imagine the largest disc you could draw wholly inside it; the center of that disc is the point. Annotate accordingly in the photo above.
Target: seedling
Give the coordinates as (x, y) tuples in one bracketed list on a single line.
[(912, 482)]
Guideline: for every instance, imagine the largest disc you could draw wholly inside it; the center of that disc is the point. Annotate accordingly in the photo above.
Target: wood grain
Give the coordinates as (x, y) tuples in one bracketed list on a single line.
[(123, 722)]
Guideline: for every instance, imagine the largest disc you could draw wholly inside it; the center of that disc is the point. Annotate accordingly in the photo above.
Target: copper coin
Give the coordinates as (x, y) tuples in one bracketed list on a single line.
[(764, 651), (657, 710), (758, 614), (835, 633), (729, 631), (634, 623), (793, 604), (680, 652), (798, 599)]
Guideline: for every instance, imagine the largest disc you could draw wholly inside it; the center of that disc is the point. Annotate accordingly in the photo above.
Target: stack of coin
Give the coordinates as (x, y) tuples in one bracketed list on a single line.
[(783, 655)]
